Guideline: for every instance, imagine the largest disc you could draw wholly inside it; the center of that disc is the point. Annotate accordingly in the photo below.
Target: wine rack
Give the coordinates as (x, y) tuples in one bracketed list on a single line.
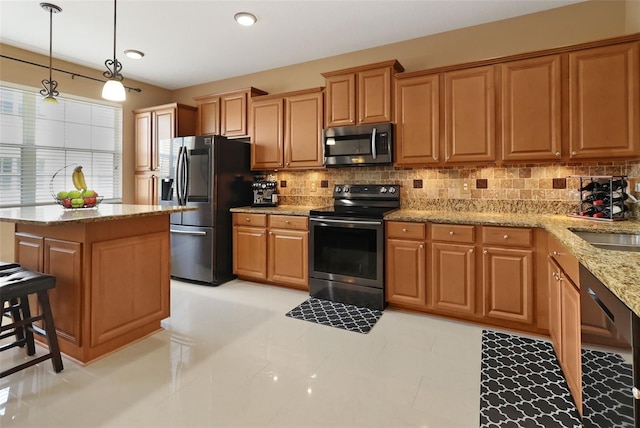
[(602, 197)]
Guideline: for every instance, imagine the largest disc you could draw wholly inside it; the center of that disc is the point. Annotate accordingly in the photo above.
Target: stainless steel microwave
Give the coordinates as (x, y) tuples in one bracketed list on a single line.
[(358, 145)]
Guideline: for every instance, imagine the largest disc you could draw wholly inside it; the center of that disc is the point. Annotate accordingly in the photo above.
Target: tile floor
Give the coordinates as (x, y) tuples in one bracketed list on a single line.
[(229, 357)]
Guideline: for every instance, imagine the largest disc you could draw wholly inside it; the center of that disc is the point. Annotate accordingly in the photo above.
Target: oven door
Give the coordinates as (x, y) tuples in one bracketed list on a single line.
[(347, 250)]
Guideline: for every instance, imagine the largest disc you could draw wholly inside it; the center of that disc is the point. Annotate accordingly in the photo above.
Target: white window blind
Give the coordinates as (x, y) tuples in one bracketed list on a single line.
[(38, 140)]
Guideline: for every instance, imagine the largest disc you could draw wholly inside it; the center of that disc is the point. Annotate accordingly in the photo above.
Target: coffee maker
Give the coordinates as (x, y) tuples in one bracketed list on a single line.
[(265, 193)]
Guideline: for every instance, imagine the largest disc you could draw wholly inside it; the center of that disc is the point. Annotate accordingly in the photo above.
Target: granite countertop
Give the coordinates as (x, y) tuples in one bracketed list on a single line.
[(54, 215), (618, 270)]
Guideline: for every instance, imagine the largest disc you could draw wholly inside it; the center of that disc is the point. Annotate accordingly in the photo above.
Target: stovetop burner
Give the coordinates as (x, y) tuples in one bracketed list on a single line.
[(361, 201)]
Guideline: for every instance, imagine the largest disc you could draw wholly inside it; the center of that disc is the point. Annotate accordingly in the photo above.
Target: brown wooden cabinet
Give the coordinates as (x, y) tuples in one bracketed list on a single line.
[(604, 102), (271, 248), (453, 265), (406, 264), (155, 126), (417, 117), (360, 95), (531, 93), (225, 113), (286, 130), (470, 115)]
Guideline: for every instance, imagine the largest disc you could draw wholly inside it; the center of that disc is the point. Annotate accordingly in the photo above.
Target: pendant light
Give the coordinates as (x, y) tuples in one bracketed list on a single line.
[(49, 92), (113, 89)]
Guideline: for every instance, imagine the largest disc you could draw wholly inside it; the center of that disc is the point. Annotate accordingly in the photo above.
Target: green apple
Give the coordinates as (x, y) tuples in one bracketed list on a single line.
[(63, 194), (88, 193), (74, 194), (77, 202)]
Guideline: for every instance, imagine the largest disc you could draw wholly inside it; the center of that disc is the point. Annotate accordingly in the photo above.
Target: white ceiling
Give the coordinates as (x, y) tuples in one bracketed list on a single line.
[(192, 42)]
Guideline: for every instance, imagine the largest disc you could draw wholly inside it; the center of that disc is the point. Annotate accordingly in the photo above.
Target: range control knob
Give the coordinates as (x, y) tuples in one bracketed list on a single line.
[(383, 190), (392, 190), (346, 189), (338, 189)]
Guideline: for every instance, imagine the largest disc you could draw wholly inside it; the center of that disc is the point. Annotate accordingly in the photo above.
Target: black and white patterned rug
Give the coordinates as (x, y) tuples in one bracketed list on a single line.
[(522, 385), (334, 314)]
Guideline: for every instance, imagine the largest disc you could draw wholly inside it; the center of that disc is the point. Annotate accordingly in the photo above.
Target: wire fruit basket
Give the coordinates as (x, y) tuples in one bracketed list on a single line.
[(75, 199)]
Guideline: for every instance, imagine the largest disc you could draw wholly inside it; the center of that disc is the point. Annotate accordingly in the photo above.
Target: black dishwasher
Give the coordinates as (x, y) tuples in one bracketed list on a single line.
[(610, 357)]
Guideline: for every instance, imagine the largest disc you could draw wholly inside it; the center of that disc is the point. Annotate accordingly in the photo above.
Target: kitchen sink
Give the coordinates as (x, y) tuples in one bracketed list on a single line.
[(612, 241)]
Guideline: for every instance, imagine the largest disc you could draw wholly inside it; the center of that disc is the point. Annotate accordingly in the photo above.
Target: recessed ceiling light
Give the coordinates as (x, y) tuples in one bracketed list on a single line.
[(245, 18), (134, 54)]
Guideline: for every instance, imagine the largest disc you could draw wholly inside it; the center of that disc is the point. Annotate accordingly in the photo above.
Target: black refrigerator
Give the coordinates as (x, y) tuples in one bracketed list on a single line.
[(212, 174)]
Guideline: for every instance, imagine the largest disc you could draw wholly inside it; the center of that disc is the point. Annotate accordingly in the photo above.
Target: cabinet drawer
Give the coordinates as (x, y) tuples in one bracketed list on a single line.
[(288, 222), (509, 236), (453, 233), (259, 220), (567, 262), (405, 230)]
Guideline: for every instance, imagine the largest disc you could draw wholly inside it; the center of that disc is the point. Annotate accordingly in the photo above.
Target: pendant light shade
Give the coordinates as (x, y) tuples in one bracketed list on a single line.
[(49, 86), (113, 89)]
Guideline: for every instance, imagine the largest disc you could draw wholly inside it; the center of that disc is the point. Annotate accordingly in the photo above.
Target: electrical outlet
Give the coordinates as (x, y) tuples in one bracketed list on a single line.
[(465, 190), (283, 183), (324, 184), (559, 183), (481, 183), (314, 185), (417, 184)]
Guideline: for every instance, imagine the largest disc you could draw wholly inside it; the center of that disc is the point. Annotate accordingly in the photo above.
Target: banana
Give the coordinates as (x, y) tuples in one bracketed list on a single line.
[(78, 178)]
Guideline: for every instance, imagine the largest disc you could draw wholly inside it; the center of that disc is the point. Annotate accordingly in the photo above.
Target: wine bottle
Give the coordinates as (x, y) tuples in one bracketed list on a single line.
[(606, 200), (608, 212), (592, 211), (595, 196), (613, 185), (590, 187)]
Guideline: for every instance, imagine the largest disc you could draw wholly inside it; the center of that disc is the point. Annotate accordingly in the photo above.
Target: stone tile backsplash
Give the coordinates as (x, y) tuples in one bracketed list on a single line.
[(515, 188)]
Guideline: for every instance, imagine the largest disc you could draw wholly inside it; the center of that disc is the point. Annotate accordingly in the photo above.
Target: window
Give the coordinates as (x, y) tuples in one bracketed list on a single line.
[(41, 144)]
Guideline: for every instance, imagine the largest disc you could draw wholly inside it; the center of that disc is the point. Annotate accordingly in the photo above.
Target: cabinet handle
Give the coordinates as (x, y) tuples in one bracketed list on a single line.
[(555, 253), (435, 158), (286, 221), (421, 246), (248, 220), (447, 157), (485, 252), (404, 230), (470, 250), (270, 233), (506, 236), (573, 153), (558, 154), (451, 233)]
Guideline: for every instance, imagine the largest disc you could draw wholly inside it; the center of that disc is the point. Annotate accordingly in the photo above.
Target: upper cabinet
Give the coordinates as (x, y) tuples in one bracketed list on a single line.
[(604, 109), (153, 127), (531, 109), (225, 114), (361, 94), (286, 130), (417, 117), (470, 115)]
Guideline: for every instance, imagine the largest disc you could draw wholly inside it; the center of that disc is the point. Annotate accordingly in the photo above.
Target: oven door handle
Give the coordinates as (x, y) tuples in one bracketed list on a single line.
[(347, 221), (373, 143)]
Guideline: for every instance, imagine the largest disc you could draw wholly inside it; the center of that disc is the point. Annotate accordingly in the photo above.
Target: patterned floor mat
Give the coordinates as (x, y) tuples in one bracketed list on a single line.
[(521, 384), (334, 314)]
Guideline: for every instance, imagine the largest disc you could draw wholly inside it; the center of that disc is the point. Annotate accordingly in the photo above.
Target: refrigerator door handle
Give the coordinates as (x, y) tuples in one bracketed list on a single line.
[(185, 176), (180, 177), (185, 232)]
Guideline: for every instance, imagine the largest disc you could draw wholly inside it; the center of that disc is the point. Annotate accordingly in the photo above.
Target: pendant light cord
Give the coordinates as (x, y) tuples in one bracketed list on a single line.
[(50, 40)]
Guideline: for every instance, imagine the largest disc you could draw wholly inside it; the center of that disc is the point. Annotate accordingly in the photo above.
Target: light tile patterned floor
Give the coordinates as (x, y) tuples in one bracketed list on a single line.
[(229, 357)]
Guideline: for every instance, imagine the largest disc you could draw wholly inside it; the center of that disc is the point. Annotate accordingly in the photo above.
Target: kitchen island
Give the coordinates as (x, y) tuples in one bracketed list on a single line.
[(112, 266)]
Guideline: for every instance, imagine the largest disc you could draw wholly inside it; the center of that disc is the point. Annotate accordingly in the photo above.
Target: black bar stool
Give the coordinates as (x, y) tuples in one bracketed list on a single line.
[(16, 284)]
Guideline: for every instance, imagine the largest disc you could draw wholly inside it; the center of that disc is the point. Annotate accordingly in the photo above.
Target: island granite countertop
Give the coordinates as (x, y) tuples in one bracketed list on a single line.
[(52, 215)]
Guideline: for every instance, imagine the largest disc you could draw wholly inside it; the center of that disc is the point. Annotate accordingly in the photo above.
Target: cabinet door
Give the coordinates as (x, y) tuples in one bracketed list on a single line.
[(143, 139), (555, 308), (30, 251), (374, 95), (303, 131), (233, 109), (406, 282), (604, 106), (453, 282), (417, 120), (209, 117), (289, 257), (63, 259), (531, 121), (508, 284), (571, 345), (164, 128), (341, 100), (267, 134), (469, 108), (145, 189), (250, 252)]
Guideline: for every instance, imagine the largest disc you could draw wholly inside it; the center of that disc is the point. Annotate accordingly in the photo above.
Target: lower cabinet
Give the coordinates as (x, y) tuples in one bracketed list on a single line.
[(564, 313), (272, 248), (478, 273)]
